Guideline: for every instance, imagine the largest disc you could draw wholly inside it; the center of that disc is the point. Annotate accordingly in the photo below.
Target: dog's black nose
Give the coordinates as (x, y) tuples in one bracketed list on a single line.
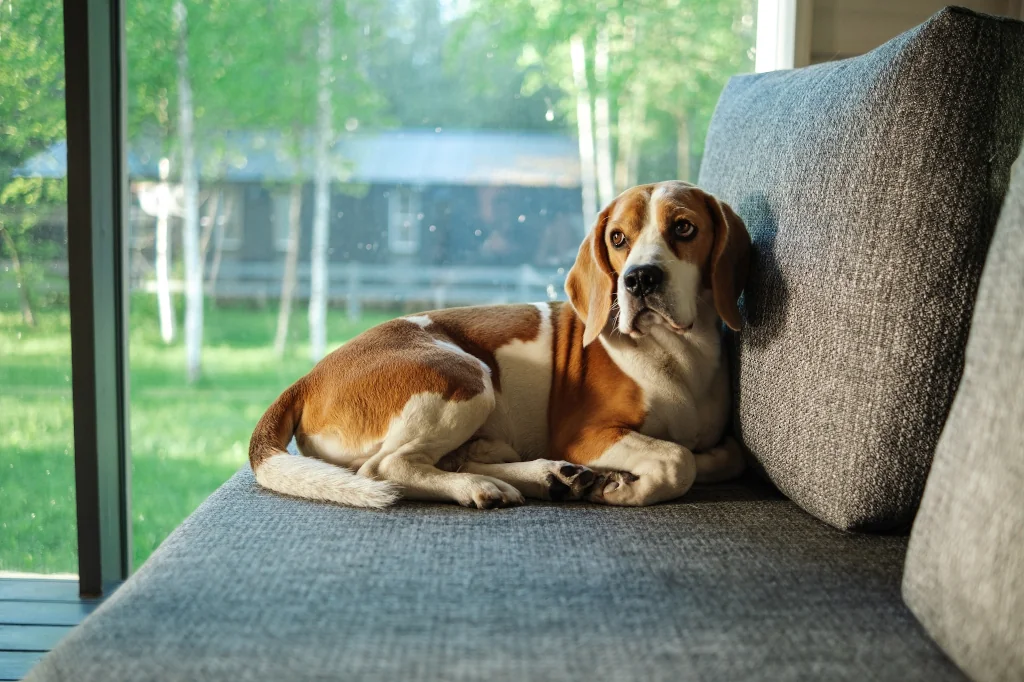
[(643, 280)]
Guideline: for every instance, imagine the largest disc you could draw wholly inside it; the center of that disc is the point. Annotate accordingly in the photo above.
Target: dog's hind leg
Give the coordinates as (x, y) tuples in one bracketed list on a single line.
[(430, 427)]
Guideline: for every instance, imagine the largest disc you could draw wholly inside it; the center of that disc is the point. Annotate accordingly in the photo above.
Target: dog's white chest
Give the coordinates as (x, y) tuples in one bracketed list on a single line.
[(686, 393), (694, 420)]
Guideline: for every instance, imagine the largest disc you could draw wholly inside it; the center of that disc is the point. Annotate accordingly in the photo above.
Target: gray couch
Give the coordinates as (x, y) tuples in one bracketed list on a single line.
[(872, 188)]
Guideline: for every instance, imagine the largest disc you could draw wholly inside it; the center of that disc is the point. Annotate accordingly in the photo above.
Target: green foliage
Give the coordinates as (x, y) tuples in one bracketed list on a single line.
[(252, 67), (31, 80), (679, 52), (31, 119)]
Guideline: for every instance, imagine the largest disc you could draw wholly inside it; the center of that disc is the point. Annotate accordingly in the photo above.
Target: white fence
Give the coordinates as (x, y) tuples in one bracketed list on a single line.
[(357, 284)]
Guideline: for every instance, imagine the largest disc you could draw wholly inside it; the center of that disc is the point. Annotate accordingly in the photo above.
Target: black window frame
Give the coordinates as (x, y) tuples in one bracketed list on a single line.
[(97, 204)]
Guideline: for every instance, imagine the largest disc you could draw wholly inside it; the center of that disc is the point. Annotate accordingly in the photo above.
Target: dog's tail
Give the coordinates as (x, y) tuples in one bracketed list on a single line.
[(305, 477)]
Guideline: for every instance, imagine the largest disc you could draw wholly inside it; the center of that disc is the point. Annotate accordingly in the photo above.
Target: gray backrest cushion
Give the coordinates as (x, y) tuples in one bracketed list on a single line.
[(871, 187), (964, 576)]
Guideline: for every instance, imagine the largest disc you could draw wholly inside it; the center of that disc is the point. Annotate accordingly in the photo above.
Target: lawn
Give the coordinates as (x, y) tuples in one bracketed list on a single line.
[(185, 440)]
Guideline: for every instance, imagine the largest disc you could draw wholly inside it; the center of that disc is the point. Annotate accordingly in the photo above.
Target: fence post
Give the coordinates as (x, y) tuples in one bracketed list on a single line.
[(354, 303)]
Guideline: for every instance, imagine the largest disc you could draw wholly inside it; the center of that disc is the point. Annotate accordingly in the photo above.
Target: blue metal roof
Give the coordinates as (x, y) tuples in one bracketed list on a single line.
[(412, 157)]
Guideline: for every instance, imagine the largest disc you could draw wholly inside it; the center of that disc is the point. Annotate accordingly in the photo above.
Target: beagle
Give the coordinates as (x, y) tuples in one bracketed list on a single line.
[(620, 397)]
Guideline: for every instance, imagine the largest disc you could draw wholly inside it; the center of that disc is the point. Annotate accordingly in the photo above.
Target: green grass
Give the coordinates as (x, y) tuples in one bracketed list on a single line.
[(185, 440)]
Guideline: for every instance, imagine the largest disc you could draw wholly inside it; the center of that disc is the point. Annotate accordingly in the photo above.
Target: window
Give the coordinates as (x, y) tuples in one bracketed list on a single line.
[(441, 153), (37, 474), (404, 221), (281, 226)]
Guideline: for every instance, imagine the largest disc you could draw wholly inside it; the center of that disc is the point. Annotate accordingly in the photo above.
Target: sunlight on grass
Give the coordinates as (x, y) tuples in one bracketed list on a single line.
[(185, 440), (37, 476)]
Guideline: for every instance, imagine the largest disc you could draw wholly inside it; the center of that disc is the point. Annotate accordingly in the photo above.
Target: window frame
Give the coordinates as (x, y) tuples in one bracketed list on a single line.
[(98, 206), (783, 34), (398, 243), (97, 209)]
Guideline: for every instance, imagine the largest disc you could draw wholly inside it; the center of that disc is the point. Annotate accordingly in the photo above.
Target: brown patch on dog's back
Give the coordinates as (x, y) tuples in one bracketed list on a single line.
[(359, 388), (482, 330)]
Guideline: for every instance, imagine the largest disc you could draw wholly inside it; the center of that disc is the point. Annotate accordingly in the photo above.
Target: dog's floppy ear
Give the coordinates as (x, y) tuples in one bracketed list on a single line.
[(730, 259), (591, 281)]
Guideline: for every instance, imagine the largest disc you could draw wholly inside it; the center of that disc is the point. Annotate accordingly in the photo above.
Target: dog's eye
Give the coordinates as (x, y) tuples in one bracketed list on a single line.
[(618, 239), (684, 230)]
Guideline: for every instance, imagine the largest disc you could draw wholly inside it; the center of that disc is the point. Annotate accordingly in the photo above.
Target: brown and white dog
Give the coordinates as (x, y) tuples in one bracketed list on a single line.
[(621, 397)]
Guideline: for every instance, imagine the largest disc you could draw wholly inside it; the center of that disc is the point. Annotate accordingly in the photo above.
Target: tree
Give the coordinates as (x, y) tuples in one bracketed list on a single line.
[(602, 120), (31, 119), (585, 130), (321, 187), (605, 60), (556, 39), (151, 47), (709, 42), (291, 263), (298, 65), (190, 208), (436, 67)]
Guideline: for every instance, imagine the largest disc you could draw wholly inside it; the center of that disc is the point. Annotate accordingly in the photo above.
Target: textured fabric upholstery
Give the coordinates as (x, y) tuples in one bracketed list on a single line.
[(871, 187), (734, 583), (965, 566)]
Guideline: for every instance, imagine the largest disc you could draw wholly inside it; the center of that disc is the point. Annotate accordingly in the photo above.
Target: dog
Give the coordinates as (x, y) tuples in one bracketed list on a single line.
[(619, 397)]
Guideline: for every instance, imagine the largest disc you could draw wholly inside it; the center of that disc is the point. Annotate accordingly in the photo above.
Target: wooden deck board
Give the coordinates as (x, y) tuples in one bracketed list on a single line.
[(31, 637), (34, 615), (44, 612), (14, 665), (17, 589)]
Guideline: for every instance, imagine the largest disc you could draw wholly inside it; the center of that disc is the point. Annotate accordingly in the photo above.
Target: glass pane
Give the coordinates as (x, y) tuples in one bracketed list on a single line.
[(428, 153), (37, 474)]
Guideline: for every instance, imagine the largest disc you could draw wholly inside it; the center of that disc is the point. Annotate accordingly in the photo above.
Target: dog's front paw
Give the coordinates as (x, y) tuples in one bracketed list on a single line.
[(483, 492), (567, 481)]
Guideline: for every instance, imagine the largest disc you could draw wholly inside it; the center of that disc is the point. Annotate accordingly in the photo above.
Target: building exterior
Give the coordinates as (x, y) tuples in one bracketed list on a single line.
[(501, 202)]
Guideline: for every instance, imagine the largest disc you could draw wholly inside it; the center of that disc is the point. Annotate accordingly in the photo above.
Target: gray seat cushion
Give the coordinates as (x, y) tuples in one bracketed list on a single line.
[(734, 583), (965, 566), (871, 187)]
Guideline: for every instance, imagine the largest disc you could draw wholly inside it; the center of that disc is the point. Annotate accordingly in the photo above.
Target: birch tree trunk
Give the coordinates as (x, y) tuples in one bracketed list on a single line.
[(628, 132), (584, 122), (190, 216), (219, 236), (683, 148), (602, 121), (19, 279), (291, 262), (163, 258), (321, 195), (213, 207), (638, 121), (625, 141)]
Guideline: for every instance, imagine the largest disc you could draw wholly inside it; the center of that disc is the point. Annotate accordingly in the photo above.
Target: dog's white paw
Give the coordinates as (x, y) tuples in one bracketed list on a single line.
[(484, 492)]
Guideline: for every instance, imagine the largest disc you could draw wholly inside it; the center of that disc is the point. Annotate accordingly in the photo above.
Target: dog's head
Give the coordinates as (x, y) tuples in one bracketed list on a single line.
[(654, 253)]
